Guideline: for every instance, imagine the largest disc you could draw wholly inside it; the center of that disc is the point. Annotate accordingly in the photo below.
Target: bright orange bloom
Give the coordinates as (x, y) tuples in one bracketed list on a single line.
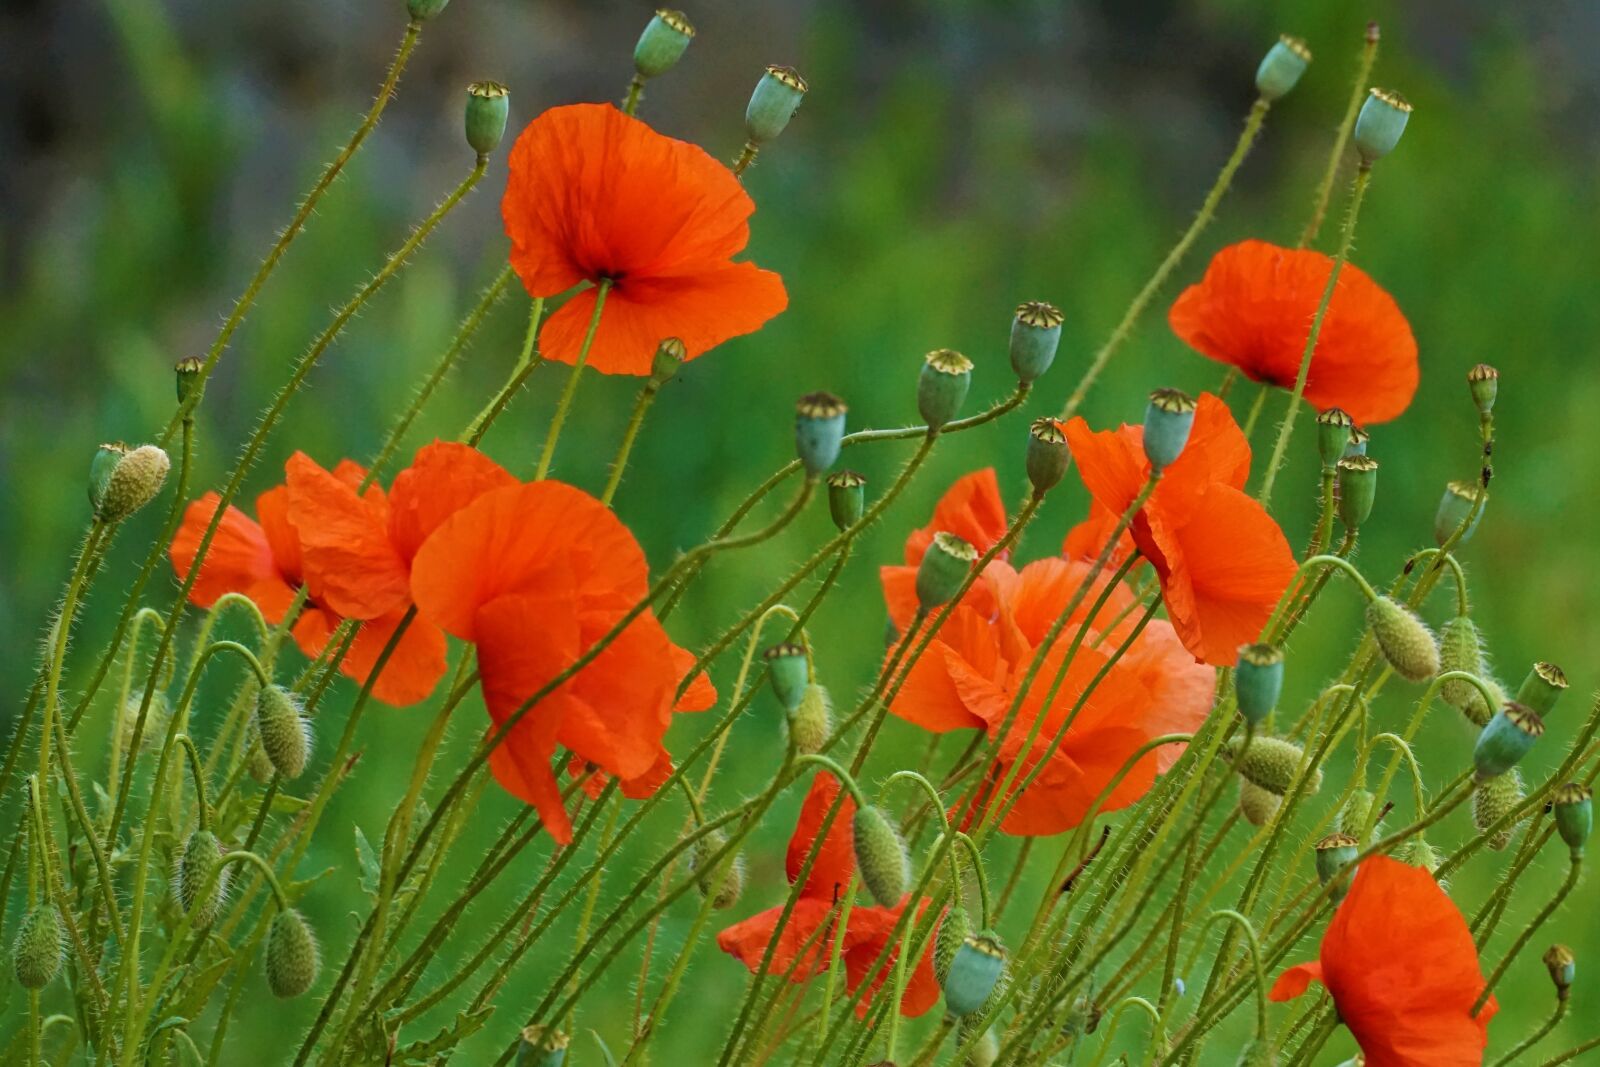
[(971, 673), (1222, 560), (804, 944), (597, 195), (534, 575), (1401, 966), (1253, 310), (267, 562)]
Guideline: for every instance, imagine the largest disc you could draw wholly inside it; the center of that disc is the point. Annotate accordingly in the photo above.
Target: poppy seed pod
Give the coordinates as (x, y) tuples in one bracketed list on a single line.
[(1048, 456), (122, 480), (1257, 805), (488, 107), (944, 567), (1459, 503), (541, 1046), (664, 40), (722, 881), (292, 956), (1382, 120), (1035, 336), (818, 431), (974, 973), (1405, 640), (285, 733), (1542, 687), (1257, 681), (669, 356), (199, 893), (1461, 649), (1355, 813), (789, 671), (1358, 488), (186, 376), (1506, 739), (1168, 418), (1563, 968), (1272, 763), (881, 856), (942, 386), (953, 931), (1357, 445), (1334, 854), (1484, 383), (1572, 805), (1282, 66), (847, 498), (423, 10), (36, 955), (1333, 434), (1492, 800), (776, 98), (811, 720)]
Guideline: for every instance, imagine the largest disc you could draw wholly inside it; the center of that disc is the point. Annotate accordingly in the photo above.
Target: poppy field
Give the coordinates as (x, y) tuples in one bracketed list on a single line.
[(665, 557)]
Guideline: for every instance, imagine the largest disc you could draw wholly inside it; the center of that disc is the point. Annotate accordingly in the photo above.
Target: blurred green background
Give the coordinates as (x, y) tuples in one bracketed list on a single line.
[(952, 159)]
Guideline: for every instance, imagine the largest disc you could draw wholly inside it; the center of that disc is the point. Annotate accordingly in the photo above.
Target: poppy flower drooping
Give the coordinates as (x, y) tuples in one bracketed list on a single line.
[(1222, 560), (1402, 968), (596, 195), (1253, 310)]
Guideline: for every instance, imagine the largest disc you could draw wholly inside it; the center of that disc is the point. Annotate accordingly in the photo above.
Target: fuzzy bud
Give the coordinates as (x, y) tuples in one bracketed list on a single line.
[(818, 431), (1258, 679), (942, 386), (122, 480), (1272, 763), (156, 718), (953, 931), (186, 376), (1563, 968), (1168, 418), (1035, 336), (986, 1053), (1417, 852), (1492, 800), (1461, 649), (1356, 813), (881, 856), (1542, 687), (789, 671), (1484, 383), (1572, 805), (811, 720), (1506, 739), (1257, 805), (777, 97), (542, 1046), (36, 956), (1333, 434), (847, 498), (200, 886), (292, 956), (1282, 66), (1404, 639), (488, 107), (1358, 488), (1457, 506), (1382, 120), (722, 881), (256, 762), (945, 565), (1048, 456), (285, 733), (974, 973), (1258, 1052), (1334, 854), (664, 40)]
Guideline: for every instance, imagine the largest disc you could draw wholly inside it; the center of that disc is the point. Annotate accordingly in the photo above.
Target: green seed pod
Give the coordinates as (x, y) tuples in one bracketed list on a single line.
[(1358, 488), (1542, 687), (1257, 681), (1035, 336), (1382, 120), (1168, 418), (1492, 800), (1048, 456), (663, 42), (1257, 805), (292, 957), (1455, 507), (789, 671), (1404, 639), (1484, 382), (1271, 763), (953, 930), (881, 856), (1333, 434), (285, 734), (1572, 805), (186, 374), (36, 956), (1357, 445), (945, 565), (1282, 66), (670, 355), (811, 721), (777, 97), (488, 107), (847, 498), (1563, 968), (541, 1046), (1461, 649), (122, 480), (974, 973), (1506, 739), (942, 386), (723, 881), (1353, 817), (1335, 853), (198, 894), (818, 431)]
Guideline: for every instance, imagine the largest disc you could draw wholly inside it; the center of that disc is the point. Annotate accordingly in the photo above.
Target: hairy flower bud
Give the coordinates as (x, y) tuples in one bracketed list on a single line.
[(1048, 456), (1333, 435), (199, 884), (292, 956), (1282, 66), (953, 930), (1417, 852), (664, 40), (1492, 800), (1272, 763), (974, 973), (811, 720), (1506, 739), (789, 671), (722, 881), (1572, 805), (36, 955), (1258, 679), (818, 431), (847, 498), (1355, 814), (1461, 649), (1035, 336), (1563, 968), (1484, 383), (1358, 488), (1542, 687), (488, 107), (881, 856), (285, 733), (776, 98), (945, 565), (1459, 503), (1382, 120), (1257, 805), (122, 480), (986, 1053), (1405, 640), (1168, 418), (942, 386)]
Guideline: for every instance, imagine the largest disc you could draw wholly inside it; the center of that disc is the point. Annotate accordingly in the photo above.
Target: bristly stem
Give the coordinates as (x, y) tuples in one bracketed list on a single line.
[(641, 405), (1574, 872), (1358, 93), (571, 388), (528, 360)]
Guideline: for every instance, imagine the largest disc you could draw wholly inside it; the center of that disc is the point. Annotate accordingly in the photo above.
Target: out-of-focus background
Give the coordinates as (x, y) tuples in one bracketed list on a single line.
[(952, 159)]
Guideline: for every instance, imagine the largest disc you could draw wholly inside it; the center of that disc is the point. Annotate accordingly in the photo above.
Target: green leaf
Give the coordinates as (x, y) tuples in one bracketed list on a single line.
[(371, 873), (611, 1061)]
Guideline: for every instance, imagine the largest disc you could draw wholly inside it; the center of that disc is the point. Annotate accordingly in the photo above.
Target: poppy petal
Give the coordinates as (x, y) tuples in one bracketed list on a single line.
[(443, 478), (344, 540), (238, 558), (1295, 981), (835, 864), (413, 668)]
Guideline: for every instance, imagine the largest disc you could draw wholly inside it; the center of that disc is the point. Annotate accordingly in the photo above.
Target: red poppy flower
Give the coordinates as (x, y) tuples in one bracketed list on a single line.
[(534, 575), (1222, 560), (1401, 966), (266, 561), (595, 195), (805, 949), (1253, 310)]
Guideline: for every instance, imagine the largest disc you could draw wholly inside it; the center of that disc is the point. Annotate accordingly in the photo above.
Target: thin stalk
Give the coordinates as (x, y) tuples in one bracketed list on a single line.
[(570, 390), (1358, 94), (1574, 872)]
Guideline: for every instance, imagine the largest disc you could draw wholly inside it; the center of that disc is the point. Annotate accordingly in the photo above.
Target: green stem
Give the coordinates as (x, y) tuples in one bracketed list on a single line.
[(641, 405), (570, 390), (1574, 872), (1538, 1035), (527, 361), (1358, 95)]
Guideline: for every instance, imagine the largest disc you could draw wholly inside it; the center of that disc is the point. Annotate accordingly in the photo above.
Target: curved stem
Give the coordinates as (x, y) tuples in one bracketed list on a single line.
[(1574, 872), (1358, 95), (1534, 1038), (199, 780)]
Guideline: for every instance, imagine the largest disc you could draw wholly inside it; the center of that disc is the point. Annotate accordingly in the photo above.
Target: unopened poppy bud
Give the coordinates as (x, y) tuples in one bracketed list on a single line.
[(1357, 445), (881, 856), (1492, 800), (811, 720), (292, 956), (1035, 336), (1356, 812), (777, 97), (1048, 456), (1333, 434), (1258, 1052), (986, 1053), (1405, 640), (1382, 120), (942, 386), (1272, 763), (423, 10), (789, 671), (1257, 805), (847, 498), (974, 973), (1459, 503), (1082, 1018), (256, 762), (1417, 852), (1257, 681), (186, 374), (669, 356), (122, 480), (36, 956), (953, 931), (1542, 687), (1508, 737), (1563, 968), (542, 1046), (1168, 418), (285, 733), (1572, 805), (1484, 382), (1358, 488), (1282, 66), (818, 431), (1461, 649), (1335, 853), (199, 893), (944, 567), (488, 107), (722, 881), (663, 42)]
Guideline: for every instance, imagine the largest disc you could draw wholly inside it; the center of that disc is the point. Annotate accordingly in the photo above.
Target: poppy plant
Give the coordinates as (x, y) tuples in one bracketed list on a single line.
[(1402, 968), (1253, 310), (596, 196), (1222, 560)]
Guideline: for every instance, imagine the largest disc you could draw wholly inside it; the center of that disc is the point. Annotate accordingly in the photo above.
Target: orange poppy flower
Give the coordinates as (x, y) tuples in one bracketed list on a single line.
[(804, 949), (266, 561), (1222, 560), (1401, 966), (1253, 310), (595, 195), (533, 575)]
